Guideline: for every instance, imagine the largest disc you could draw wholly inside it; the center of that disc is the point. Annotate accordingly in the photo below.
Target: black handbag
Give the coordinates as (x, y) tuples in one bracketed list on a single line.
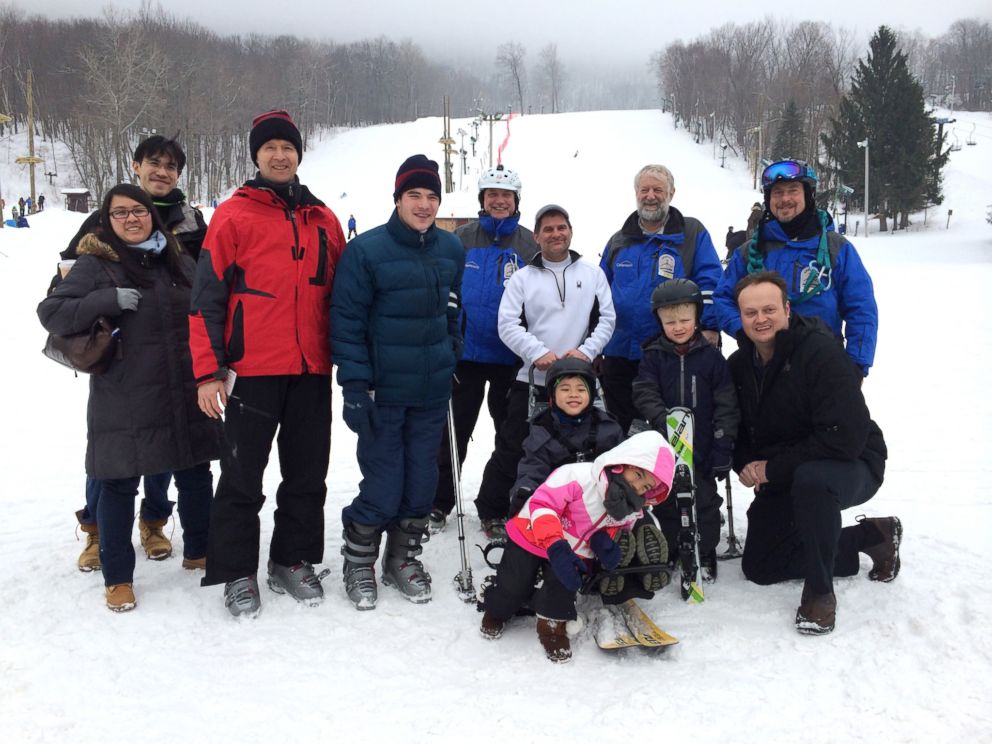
[(91, 351)]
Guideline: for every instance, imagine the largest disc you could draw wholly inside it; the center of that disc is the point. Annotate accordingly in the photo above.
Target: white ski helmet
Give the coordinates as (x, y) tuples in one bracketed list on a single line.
[(500, 178)]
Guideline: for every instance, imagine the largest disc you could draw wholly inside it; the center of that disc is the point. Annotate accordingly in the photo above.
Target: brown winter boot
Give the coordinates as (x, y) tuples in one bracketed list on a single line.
[(194, 564), (882, 538), (89, 559), (553, 637), (120, 598), (491, 628), (153, 540), (817, 613)]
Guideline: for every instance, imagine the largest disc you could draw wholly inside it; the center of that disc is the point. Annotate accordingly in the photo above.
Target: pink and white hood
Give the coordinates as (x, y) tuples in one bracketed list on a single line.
[(570, 503)]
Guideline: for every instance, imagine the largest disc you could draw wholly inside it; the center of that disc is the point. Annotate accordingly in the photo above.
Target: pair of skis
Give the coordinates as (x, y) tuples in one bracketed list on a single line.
[(627, 625), (680, 437)]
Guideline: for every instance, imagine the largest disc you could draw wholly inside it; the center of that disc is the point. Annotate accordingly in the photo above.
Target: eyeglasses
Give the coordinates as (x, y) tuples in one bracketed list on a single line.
[(121, 214), (787, 170)]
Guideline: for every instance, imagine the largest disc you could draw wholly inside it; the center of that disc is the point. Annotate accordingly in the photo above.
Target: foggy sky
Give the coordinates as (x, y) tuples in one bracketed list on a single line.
[(620, 33)]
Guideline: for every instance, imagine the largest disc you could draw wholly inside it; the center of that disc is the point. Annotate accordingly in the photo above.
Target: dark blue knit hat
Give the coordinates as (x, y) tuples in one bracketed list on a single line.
[(417, 172)]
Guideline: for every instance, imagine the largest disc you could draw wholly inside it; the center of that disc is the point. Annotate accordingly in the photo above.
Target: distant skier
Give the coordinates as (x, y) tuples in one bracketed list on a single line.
[(352, 227), (571, 519), (41, 202)]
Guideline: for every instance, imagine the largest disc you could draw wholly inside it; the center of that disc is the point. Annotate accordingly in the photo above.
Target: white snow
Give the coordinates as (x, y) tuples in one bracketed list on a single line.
[(909, 661)]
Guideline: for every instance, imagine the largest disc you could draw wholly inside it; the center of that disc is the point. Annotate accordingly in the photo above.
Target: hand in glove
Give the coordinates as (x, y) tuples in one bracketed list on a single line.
[(723, 460), (568, 567), (606, 550), (621, 500), (359, 412), (127, 299)]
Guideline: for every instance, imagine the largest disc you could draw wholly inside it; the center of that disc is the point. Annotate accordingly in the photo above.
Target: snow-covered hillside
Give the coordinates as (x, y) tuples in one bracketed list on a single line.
[(909, 661)]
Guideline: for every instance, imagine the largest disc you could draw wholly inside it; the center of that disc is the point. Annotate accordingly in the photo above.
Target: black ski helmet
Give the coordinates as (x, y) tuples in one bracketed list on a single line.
[(789, 169), (677, 292), (570, 367)]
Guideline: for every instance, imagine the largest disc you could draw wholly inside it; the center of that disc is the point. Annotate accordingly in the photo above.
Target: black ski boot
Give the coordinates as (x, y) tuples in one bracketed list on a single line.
[(360, 550), (401, 568), (612, 584)]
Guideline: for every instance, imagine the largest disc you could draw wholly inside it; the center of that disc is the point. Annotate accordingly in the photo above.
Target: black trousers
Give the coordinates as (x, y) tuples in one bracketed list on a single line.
[(500, 472), (467, 392), (796, 533), (618, 380), (299, 406), (515, 585), (708, 503)]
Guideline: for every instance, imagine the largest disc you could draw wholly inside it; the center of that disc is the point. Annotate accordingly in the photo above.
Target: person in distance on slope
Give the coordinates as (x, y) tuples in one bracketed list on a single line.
[(572, 518)]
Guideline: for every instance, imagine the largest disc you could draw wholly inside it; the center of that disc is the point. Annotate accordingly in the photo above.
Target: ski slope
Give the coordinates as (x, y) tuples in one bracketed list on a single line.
[(909, 661)]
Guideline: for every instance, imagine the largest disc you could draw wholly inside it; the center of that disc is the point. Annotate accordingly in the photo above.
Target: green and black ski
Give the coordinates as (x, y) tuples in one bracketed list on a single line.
[(680, 436)]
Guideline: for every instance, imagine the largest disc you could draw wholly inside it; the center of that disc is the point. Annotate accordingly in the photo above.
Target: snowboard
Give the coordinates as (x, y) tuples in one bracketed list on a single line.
[(627, 625)]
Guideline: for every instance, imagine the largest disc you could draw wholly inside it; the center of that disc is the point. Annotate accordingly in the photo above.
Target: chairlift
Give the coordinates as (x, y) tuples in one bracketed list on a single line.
[(971, 137), (957, 143)]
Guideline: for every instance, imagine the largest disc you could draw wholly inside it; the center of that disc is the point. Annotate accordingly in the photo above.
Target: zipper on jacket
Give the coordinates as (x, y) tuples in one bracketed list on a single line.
[(681, 380), (297, 257)]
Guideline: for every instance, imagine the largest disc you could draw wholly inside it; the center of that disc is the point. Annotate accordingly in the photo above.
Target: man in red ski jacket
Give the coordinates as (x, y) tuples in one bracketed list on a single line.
[(260, 319)]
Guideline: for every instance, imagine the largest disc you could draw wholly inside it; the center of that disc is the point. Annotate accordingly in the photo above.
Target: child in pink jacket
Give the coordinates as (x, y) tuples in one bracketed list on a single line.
[(569, 521)]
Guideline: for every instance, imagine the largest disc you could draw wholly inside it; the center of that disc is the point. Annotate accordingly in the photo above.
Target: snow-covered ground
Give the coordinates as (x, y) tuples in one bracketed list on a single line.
[(909, 661)]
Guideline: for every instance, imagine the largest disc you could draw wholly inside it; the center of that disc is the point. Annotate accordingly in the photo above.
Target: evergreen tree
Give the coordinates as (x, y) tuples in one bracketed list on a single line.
[(886, 106), (790, 142)]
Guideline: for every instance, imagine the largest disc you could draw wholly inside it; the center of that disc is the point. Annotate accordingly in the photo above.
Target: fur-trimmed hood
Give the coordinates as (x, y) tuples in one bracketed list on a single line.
[(94, 245)]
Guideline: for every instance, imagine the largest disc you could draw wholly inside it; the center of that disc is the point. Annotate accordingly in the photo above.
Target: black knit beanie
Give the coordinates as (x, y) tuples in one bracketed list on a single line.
[(417, 172), (276, 124)]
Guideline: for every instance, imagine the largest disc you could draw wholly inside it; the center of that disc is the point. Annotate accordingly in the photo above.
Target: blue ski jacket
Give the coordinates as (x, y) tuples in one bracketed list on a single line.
[(494, 250), (636, 263), (847, 306)]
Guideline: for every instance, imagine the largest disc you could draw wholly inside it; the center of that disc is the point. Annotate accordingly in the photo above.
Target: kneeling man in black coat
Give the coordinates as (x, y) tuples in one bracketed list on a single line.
[(809, 448)]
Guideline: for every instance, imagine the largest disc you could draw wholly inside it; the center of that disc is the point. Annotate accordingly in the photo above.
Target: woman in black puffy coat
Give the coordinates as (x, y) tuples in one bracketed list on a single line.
[(142, 415)]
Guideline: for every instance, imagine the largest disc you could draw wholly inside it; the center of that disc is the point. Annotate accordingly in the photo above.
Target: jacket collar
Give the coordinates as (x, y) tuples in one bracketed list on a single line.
[(406, 235), (674, 230)]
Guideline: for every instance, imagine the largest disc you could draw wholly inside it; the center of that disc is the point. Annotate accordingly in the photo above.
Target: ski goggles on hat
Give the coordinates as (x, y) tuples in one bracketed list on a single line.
[(787, 170)]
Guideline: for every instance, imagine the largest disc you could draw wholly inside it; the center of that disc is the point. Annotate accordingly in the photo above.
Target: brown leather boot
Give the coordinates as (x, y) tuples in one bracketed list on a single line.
[(89, 559), (153, 540), (194, 564), (553, 637), (491, 628), (817, 613), (120, 598), (884, 535)]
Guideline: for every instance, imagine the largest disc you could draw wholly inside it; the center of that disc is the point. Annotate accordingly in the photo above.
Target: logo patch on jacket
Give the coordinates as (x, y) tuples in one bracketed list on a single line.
[(808, 274), (471, 265), (625, 264), (666, 266), (508, 268)]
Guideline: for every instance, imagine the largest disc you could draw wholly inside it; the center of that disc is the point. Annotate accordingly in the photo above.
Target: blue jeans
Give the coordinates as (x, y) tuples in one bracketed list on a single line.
[(155, 505), (399, 466), (115, 519)]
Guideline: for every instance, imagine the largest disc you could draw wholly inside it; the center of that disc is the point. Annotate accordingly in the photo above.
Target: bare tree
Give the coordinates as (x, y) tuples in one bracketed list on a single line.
[(510, 57), (554, 74)]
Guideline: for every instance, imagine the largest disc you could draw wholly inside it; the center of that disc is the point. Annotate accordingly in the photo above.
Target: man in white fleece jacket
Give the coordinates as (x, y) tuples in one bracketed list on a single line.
[(556, 306)]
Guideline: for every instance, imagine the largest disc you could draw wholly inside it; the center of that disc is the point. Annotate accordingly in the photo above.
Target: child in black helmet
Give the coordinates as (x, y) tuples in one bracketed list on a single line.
[(681, 368), (571, 429)]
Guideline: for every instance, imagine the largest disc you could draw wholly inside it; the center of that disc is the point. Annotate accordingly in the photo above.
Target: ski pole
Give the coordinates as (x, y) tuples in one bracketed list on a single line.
[(733, 544), (463, 579)]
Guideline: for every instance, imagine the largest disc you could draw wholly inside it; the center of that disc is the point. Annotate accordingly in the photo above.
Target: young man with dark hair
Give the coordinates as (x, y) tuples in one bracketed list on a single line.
[(157, 164)]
